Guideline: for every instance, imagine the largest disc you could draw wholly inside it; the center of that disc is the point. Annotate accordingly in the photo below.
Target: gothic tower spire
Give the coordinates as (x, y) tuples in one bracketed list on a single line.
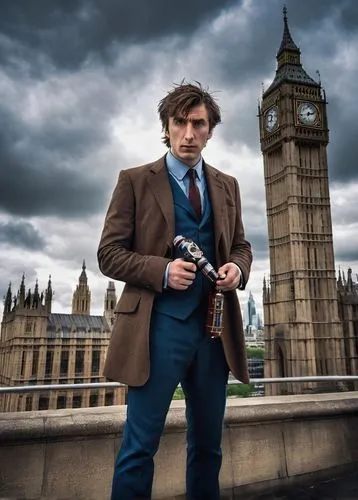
[(264, 289), (339, 281), (287, 43), (349, 281), (81, 301), (48, 295), (36, 296), (110, 300), (22, 292), (289, 67), (8, 300), (83, 274)]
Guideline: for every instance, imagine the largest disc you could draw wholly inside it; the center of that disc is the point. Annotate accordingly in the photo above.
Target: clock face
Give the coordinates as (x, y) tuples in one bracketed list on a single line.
[(271, 119), (307, 113)]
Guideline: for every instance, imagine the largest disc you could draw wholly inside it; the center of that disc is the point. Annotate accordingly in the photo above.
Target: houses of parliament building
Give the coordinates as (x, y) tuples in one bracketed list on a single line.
[(38, 346)]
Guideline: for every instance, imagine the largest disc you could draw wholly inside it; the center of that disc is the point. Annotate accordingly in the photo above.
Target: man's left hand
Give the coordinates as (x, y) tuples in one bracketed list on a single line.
[(230, 274)]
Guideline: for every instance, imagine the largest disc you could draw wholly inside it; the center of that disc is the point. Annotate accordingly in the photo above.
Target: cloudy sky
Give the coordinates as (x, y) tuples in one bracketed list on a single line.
[(79, 84)]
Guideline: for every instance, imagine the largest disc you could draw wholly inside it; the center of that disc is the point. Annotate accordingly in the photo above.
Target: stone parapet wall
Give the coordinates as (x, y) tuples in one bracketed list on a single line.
[(268, 442)]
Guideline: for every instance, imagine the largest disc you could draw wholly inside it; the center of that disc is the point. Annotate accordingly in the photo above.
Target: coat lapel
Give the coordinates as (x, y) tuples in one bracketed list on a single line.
[(159, 184), (217, 197)]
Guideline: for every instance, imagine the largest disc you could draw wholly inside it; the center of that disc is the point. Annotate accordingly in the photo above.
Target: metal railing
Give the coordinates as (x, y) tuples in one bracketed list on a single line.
[(113, 385)]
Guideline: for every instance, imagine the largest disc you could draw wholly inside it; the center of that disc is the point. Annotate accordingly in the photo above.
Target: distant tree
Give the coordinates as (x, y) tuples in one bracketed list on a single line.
[(255, 352), (240, 390), (179, 393)]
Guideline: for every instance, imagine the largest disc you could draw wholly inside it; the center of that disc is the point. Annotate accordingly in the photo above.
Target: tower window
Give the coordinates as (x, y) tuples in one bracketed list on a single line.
[(79, 363), (96, 356), (29, 325), (43, 403), (64, 363), (93, 401), (23, 363), (49, 363), (61, 402), (19, 403), (28, 404), (281, 362), (108, 400), (76, 401), (35, 363)]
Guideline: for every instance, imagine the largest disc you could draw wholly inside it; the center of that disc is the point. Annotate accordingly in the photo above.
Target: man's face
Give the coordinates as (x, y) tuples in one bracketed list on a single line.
[(188, 135)]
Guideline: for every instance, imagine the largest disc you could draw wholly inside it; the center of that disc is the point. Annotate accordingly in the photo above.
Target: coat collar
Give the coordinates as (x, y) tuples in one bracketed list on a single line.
[(159, 184)]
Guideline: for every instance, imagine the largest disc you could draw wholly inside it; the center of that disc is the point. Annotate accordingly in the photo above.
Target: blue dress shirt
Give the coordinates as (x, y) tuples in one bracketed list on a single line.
[(178, 170)]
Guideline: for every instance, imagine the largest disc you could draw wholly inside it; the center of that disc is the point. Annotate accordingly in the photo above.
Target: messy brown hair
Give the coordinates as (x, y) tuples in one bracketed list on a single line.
[(181, 100)]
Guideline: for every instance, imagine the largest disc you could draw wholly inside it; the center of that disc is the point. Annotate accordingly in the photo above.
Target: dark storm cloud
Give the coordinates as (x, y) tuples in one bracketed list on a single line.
[(259, 242), (347, 255), (309, 20), (38, 166), (310, 14), (245, 56), (21, 234), (26, 191), (68, 31), (343, 149), (12, 273), (249, 50), (58, 194), (39, 163)]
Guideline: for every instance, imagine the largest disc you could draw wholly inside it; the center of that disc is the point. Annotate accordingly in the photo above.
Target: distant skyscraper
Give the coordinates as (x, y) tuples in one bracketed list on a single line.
[(251, 311)]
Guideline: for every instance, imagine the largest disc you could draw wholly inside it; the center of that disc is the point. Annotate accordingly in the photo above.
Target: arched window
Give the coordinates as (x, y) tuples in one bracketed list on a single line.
[(281, 362)]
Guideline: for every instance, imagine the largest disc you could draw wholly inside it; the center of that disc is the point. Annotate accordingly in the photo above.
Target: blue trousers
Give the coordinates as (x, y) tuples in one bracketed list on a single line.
[(180, 351)]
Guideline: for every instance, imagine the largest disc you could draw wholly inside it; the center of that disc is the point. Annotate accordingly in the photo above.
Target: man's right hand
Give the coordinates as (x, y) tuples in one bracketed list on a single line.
[(181, 274)]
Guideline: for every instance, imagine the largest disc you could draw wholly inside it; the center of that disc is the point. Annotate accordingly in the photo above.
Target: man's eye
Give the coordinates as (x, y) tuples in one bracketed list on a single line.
[(178, 121)]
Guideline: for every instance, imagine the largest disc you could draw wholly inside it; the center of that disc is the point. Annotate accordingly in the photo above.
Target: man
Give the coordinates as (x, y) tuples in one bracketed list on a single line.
[(159, 336)]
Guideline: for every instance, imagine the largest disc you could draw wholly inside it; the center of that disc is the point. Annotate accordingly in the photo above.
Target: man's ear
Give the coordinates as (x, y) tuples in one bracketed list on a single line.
[(210, 134)]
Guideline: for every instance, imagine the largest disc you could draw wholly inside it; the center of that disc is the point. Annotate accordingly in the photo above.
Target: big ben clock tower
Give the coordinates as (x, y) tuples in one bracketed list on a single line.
[(303, 332)]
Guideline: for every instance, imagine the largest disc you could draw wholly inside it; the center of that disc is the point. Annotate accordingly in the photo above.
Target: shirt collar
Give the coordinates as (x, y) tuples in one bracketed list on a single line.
[(179, 169)]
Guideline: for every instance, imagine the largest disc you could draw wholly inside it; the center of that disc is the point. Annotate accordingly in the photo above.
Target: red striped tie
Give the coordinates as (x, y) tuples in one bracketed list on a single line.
[(194, 193)]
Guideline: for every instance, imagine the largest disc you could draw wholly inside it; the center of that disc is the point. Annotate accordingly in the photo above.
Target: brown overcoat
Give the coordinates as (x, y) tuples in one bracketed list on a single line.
[(136, 246)]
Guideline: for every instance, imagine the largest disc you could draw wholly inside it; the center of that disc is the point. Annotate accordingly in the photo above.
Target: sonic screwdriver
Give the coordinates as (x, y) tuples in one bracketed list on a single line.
[(193, 253)]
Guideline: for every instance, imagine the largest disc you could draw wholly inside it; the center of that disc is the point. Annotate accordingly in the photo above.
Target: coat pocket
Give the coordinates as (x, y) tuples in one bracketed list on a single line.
[(128, 303)]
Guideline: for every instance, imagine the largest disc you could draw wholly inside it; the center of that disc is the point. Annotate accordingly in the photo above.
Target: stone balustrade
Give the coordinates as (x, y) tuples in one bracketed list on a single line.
[(269, 442)]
